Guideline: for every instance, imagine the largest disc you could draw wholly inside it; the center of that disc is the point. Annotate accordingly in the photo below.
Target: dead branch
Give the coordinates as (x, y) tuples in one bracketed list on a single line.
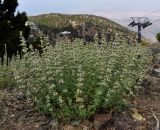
[(157, 121)]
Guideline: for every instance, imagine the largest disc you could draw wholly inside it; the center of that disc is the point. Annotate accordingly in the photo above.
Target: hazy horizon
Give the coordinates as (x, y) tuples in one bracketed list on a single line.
[(118, 11), (112, 8)]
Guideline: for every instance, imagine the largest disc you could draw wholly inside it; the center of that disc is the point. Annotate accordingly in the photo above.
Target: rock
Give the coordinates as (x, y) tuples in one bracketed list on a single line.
[(68, 127), (20, 96), (87, 125), (157, 59), (84, 127), (156, 72), (101, 119), (155, 50), (53, 125)]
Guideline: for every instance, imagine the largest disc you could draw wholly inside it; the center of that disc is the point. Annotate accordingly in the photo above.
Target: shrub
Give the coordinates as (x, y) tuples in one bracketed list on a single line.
[(158, 37), (75, 81), (6, 78)]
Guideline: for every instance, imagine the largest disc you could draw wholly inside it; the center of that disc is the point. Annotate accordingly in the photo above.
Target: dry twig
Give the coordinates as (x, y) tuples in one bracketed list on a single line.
[(157, 121)]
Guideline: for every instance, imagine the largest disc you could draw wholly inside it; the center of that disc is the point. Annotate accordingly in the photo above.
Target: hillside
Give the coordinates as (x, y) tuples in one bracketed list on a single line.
[(53, 24)]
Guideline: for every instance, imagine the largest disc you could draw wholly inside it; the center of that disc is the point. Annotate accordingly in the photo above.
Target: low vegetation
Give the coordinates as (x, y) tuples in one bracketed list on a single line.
[(76, 80), (6, 78)]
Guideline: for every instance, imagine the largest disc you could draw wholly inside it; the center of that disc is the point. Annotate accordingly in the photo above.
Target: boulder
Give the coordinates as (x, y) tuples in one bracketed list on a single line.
[(156, 72)]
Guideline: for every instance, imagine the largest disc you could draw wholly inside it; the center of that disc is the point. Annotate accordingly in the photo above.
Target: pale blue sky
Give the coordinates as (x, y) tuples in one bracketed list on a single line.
[(100, 7)]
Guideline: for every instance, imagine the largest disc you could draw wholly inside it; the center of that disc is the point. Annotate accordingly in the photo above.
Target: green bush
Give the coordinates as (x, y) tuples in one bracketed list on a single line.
[(158, 37), (75, 81), (6, 78)]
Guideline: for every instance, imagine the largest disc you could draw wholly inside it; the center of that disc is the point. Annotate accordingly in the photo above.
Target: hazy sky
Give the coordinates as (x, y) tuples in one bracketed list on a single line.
[(108, 8)]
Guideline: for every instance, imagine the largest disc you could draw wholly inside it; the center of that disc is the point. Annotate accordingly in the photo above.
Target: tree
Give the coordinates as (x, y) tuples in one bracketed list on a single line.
[(10, 26), (158, 37)]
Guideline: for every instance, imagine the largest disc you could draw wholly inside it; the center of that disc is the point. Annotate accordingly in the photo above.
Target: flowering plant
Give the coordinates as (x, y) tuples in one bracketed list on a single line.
[(74, 80)]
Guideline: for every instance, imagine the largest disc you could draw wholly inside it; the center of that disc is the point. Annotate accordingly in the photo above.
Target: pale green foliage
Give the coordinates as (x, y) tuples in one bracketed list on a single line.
[(74, 80), (6, 77)]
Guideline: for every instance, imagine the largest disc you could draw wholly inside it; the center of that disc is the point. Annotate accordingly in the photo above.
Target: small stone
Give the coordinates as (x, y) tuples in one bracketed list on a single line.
[(157, 59), (88, 124), (85, 127), (20, 96), (101, 119), (12, 115), (53, 124), (37, 125), (156, 72), (68, 127)]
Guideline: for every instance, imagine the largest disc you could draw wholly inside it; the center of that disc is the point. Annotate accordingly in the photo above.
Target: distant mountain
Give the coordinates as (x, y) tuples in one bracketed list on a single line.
[(123, 18), (149, 32)]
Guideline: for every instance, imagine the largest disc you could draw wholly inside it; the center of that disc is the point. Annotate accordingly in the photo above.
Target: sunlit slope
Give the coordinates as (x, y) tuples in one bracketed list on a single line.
[(62, 22)]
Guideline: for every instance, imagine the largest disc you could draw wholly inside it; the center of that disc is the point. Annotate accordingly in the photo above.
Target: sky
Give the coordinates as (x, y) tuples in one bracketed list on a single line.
[(107, 8), (117, 10)]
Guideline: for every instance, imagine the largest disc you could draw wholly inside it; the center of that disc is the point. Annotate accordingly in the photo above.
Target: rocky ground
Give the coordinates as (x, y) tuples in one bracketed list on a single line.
[(16, 113)]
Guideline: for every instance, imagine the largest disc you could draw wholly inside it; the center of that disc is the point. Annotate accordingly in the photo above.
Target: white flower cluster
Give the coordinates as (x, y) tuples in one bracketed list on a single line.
[(75, 80)]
